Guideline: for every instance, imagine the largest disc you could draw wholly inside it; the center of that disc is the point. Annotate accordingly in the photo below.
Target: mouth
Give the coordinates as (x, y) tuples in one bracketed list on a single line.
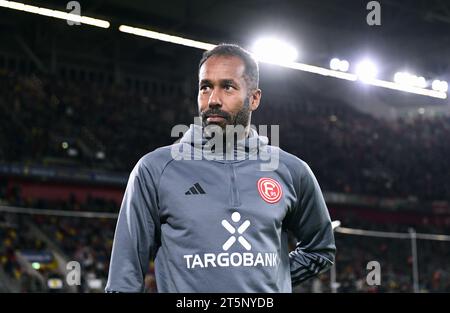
[(215, 119)]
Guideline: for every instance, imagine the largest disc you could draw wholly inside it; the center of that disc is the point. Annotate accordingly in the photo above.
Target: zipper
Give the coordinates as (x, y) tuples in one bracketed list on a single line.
[(235, 200)]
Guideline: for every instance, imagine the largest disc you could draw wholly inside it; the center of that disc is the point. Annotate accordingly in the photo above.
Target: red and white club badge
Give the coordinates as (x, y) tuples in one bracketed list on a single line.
[(269, 189)]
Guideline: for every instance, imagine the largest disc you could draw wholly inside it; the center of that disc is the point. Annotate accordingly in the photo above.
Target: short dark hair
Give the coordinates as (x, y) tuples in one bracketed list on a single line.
[(251, 73)]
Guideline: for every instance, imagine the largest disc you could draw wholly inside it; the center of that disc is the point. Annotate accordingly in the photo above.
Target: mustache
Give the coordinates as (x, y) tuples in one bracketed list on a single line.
[(216, 112)]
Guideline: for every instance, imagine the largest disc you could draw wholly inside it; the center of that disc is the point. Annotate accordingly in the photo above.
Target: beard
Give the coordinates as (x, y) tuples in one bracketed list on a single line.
[(241, 118)]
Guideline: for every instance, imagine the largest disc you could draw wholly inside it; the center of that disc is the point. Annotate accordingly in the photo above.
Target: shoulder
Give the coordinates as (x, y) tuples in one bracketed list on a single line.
[(156, 161), (295, 170), (295, 165)]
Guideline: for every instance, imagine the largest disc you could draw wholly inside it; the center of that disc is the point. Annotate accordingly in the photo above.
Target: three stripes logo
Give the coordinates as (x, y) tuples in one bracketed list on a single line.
[(196, 189)]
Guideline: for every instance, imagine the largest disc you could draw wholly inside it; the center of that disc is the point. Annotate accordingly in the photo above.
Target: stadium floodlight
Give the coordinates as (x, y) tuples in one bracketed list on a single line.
[(414, 80), (410, 79), (408, 88), (399, 78), (339, 65), (206, 46), (54, 13), (164, 37), (439, 85), (315, 70), (344, 66), (366, 70), (421, 82), (339, 73), (436, 84), (274, 51), (285, 63), (335, 64)]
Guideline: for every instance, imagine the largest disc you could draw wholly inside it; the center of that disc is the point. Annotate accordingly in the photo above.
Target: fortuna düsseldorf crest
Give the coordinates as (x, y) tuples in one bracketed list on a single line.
[(269, 189)]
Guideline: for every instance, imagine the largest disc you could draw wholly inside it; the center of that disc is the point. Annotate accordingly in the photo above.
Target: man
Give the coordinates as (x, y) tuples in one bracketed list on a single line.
[(216, 224)]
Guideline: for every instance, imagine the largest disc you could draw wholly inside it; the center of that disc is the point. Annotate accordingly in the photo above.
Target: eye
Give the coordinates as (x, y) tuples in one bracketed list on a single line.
[(204, 88), (228, 87)]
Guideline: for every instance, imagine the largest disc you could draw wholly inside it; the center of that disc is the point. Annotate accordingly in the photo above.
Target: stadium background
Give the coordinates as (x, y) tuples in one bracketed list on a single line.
[(79, 105)]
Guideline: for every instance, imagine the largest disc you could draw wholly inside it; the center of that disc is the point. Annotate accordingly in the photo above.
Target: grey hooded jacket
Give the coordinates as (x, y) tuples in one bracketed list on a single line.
[(220, 225)]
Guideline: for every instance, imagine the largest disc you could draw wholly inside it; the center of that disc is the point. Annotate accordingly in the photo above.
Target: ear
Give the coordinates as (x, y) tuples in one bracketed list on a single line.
[(255, 98)]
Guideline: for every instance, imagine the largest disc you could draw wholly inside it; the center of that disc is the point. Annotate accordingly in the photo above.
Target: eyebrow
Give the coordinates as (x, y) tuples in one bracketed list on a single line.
[(221, 82)]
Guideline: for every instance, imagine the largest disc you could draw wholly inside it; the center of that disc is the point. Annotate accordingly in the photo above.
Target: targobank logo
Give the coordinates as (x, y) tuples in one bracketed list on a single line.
[(236, 217), (236, 230)]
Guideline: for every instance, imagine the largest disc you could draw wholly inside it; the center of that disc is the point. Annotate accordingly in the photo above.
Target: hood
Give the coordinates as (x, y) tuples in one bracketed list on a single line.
[(241, 149)]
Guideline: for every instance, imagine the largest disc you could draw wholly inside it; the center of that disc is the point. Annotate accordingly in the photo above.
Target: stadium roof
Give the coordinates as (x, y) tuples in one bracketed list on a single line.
[(411, 31), (414, 34)]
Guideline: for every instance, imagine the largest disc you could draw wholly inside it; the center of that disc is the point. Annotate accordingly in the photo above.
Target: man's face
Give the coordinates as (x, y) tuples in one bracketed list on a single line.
[(223, 98)]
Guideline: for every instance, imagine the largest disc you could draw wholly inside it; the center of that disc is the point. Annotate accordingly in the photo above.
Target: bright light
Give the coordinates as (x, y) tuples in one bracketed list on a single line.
[(274, 50), (399, 77), (407, 88), (339, 65), (344, 66), (316, 70), (54, 13), (439, 85), (366, 70), (421, 111), (36, 265), (168, 38), (436, 84), (410, 79), (335, 63), (421, 82), (54, 283), (335, 224), (284, 63)]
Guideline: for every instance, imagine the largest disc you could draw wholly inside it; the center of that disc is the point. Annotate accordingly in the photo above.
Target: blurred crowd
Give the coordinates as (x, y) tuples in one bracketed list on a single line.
[(16, 238), (47, 120), (81, 124), (352, 152), (87, 241), (395, 260)]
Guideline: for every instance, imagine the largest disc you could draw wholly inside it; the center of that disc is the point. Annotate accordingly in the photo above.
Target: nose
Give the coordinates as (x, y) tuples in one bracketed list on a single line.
[(214, 99)]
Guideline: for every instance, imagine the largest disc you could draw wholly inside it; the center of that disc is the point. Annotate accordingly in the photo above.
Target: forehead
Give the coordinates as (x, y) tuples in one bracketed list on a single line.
[(221, 67)]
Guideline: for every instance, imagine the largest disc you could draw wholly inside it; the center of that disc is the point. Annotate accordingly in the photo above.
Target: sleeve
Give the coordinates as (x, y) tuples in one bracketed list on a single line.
[(311, 224), (136, 237)]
